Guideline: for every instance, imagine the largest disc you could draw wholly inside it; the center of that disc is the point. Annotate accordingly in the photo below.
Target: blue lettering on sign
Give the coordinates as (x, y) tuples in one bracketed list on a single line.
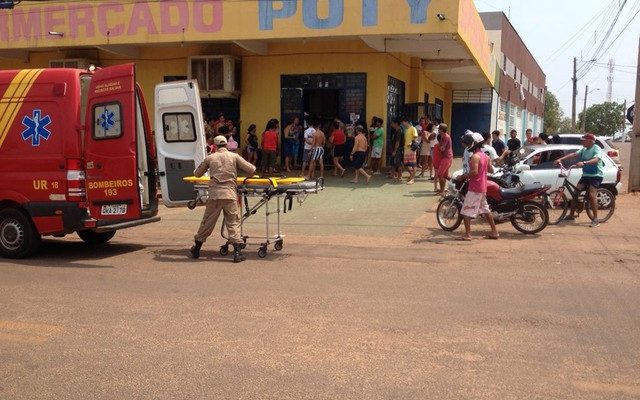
[(369, 12), (36, 128), (310, 14), (106, 119), (268, 13), (418, 10)]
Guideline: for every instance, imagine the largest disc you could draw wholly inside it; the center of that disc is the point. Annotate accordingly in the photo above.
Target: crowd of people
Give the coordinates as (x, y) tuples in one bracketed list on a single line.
[(425, 148)]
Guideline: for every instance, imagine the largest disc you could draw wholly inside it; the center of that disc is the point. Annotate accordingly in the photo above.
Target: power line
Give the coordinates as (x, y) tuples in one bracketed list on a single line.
[(576, 35), (596, 53)]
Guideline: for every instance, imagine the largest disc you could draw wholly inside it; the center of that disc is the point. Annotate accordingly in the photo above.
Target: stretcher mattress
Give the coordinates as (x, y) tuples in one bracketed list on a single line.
[(241, 180)]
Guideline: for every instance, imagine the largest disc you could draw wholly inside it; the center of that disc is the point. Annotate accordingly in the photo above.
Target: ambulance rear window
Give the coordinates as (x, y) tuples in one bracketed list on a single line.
[(178, 127), (107, 121)]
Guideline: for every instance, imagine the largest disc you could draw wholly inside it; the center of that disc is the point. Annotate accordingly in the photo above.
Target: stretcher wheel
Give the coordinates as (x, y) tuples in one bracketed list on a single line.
[(278, 245), (224, 250), (191, 205), (262, 252)]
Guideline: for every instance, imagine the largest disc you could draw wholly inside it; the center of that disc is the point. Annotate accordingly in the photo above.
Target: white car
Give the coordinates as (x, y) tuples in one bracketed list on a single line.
[(535, 164), (605, 143)]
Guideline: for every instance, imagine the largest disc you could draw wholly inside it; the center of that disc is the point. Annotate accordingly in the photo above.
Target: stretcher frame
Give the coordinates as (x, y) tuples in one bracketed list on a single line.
[(264, 192)]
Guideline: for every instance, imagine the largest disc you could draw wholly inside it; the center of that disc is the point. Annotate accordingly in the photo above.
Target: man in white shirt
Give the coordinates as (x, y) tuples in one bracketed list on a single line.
[(308, 146)]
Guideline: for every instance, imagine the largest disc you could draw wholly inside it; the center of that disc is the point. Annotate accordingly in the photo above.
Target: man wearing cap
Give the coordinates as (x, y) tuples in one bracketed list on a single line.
[(590, 157), (223, 168)]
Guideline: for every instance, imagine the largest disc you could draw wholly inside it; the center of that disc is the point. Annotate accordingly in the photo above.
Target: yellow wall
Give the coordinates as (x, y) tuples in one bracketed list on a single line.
[(260, 99)]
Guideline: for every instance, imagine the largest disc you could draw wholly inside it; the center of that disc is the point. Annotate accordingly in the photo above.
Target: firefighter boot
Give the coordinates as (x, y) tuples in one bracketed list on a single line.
[(195, 249), (237, 253)]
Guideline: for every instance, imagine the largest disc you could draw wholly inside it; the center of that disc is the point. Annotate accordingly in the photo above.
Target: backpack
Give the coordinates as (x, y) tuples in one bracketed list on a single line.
[(416, 144)]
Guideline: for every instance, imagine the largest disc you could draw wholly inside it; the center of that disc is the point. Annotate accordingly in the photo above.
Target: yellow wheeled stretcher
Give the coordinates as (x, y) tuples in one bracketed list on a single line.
[(283, 189)]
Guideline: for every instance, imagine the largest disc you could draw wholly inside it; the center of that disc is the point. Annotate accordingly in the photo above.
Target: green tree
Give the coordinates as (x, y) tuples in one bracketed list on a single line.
[(565, 126), (552, 113), (603, 119)]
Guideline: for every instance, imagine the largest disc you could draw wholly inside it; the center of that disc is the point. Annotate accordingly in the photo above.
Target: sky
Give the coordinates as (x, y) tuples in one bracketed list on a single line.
[(556, 31)]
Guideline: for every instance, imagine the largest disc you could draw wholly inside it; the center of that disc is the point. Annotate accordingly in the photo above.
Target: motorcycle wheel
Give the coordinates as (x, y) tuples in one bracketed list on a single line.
[(557, 206), (606, 205), (533, 218), (448, 214)]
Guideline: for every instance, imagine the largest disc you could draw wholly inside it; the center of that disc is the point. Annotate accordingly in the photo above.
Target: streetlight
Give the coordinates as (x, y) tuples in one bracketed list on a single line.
[(584, 109)]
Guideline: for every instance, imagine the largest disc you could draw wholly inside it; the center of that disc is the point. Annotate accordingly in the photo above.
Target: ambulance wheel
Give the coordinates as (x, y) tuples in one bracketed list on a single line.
[(18, 235), (224, 250), (91, 237), (278, 245), (262, 252)]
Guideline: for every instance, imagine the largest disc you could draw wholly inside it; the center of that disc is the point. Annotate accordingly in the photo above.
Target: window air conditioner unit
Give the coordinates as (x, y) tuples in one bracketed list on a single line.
[(80, 63), (218, 76)]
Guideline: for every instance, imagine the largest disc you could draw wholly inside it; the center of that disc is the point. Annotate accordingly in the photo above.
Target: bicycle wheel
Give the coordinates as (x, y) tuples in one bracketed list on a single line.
[(448, 214), (606, 205), (557, 206)]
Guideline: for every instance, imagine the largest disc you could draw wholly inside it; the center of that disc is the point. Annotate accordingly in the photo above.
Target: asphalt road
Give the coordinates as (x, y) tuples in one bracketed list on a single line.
[(368, 300)]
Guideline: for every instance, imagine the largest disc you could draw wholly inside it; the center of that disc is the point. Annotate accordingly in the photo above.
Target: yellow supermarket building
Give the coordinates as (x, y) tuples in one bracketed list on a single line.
[(257, 60)]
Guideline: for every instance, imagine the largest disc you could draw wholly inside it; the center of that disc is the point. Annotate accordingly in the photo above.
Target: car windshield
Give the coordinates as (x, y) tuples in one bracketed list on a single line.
[(520, 154)]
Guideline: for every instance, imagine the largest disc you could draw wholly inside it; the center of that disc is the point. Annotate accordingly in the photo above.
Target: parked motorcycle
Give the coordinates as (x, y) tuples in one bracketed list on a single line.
[(515, 204)]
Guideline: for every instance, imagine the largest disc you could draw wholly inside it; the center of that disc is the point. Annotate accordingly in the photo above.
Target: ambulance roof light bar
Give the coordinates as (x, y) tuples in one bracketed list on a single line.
[(9, 4)]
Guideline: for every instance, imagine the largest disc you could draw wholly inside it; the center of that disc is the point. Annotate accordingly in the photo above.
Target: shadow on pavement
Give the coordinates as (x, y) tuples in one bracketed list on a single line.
[(213, 255), (439, 236), (65, 254), (422, 193)]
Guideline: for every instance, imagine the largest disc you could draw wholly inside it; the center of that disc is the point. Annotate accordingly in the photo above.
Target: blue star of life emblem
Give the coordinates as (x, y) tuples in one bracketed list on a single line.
[(36, 128), (106, 119)]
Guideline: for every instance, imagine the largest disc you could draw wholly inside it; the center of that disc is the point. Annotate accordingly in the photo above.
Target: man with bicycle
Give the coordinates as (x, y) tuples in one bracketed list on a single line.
[(590, 160)]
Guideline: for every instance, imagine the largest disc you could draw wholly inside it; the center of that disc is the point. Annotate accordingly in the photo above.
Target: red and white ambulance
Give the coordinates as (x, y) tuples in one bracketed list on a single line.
[(77, 153)]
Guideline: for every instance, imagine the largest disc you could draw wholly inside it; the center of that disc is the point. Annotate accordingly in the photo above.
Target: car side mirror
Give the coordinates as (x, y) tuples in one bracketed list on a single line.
[(523, 167)]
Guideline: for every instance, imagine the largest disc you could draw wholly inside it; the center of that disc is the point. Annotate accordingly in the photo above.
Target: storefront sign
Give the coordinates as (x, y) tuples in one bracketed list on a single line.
[(62, 23)]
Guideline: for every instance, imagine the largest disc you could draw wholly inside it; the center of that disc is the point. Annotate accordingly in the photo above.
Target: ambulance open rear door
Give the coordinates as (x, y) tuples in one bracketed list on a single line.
[(180, 140), (111, 166)]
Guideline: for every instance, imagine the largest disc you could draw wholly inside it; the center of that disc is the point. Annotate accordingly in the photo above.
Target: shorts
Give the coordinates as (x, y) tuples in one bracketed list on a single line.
[(409, 159), (376, 152), (317, 153), (338, 150), (306, 155), (425, 150), (251, 150), (593, 181), (268, 159), (289, 148), (398, 159), (359, 157), (475, 204), (443, 167)]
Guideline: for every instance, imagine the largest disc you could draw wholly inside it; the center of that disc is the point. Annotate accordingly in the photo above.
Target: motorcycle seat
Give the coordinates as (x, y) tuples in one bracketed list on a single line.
[(514, 193)]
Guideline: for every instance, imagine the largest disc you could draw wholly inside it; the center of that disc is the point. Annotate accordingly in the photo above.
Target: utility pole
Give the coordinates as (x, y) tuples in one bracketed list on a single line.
[(575, 93), (624, 119), (584, 109), (634, 168)]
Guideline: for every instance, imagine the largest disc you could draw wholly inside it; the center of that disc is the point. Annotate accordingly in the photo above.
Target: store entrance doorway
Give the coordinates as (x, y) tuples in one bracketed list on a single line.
[(323, 104)]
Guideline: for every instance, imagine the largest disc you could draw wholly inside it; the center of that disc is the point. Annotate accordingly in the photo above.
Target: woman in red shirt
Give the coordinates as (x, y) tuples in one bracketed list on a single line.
[(270, 146), (337, 139)]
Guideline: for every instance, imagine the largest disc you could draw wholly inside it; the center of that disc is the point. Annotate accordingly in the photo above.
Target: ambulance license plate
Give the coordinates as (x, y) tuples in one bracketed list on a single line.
[(114, 209)]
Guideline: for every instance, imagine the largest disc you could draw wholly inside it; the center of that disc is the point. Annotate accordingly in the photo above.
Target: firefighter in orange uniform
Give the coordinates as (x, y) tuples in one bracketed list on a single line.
[(223, 168)]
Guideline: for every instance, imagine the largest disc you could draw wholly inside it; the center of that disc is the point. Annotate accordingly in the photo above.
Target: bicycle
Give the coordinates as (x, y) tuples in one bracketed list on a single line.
[(558, 204)]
